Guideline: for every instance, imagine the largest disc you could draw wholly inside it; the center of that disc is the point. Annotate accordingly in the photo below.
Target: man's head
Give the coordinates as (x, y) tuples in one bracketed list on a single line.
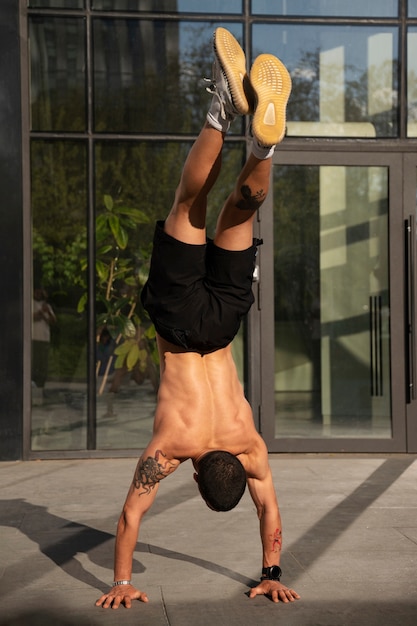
[(221, 480)]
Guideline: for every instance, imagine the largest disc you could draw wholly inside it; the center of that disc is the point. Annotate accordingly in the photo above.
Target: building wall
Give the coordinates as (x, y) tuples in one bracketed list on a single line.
[(11, 236), (129, 60)]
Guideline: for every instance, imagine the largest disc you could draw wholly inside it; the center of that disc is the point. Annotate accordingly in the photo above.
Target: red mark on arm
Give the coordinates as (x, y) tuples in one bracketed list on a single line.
[(277, 540)]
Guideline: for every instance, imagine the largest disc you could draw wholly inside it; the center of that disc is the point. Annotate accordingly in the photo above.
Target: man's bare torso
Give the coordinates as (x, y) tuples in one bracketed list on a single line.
[(202, 407)]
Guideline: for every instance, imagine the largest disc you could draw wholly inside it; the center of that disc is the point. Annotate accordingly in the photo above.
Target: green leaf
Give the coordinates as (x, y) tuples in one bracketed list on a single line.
[(104, 250), (142, 359), (108, 202), (121, 303), (102, 226), (129, 329), (118, 231), (114, 223), (123, 238), (120, 361), (118, 322), (139, 217), (102, 270), (124, 348), (132, 357), (82, 303), (150, 332)]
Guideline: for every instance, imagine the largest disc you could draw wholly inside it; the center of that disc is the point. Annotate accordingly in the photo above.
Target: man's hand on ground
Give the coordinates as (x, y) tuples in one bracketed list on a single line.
[(276, 590), (123, 594)]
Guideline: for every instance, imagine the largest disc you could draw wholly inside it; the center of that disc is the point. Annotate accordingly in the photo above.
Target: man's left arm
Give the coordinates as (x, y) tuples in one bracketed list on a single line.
[(265, 499)]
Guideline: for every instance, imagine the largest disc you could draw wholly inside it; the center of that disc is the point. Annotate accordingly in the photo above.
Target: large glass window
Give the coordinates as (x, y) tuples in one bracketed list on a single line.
[(56, 4), (170, 6), (412, 8), (336, 8), (148, 75), (58, 87), (59, 332), (128, 173), (344, 77), (127, 364), (412, 82)]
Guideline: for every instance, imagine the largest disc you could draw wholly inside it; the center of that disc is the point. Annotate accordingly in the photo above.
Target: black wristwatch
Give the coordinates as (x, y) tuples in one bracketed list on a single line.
[(271, 573)]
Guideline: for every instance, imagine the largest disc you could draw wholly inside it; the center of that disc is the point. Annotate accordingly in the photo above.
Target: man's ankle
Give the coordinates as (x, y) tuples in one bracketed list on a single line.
[(262, 152)]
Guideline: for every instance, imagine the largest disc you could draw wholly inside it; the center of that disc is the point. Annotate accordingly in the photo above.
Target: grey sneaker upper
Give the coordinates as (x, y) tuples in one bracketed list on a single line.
[(219, 87)]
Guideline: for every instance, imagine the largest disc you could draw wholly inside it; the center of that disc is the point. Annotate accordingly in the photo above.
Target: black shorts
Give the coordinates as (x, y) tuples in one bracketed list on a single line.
[(196, 295)]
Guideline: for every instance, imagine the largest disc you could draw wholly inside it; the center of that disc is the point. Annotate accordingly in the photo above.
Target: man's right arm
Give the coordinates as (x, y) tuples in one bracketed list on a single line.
[(262, 491), (152, 467)]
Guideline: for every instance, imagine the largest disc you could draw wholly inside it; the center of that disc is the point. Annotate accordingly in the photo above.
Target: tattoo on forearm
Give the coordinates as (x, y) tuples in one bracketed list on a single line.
[(150, 471), (250, 202), (277, 541)]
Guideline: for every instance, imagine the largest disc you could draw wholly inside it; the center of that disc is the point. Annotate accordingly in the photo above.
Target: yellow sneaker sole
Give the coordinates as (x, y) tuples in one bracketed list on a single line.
[(271, 83), (233, 62)]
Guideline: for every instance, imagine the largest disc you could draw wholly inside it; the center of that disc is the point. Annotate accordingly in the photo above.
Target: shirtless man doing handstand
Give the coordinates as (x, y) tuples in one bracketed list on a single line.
[(197, 293)]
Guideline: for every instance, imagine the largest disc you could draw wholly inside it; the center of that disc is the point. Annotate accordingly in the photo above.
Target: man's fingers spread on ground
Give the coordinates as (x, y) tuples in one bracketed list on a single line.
[(284, 595), (116, 603), (292, 595)]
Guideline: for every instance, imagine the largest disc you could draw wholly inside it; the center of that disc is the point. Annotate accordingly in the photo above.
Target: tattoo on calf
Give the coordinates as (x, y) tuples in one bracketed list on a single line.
[(277, 541), (150, 471), (250, 202)]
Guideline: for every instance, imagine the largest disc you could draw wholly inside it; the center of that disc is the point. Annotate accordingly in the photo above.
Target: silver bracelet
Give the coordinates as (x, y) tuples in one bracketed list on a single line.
[(121, 582)]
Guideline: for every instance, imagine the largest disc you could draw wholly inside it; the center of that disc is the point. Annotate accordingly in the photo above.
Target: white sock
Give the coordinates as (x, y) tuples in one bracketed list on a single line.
[(260, 151), (214, 116)]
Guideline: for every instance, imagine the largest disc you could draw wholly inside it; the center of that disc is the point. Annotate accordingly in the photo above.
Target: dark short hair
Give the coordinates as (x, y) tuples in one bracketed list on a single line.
[(221, 480)]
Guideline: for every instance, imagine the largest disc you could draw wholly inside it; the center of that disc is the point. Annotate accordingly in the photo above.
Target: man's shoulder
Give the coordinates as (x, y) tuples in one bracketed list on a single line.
[(255, 458)]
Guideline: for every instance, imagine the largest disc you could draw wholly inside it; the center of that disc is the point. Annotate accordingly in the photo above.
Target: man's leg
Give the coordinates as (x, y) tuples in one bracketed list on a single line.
[(271, 84), (187, 218), (234, 229)]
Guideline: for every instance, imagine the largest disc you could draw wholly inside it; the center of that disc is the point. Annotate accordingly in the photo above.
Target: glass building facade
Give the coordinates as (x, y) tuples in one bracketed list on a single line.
[(101, 101)]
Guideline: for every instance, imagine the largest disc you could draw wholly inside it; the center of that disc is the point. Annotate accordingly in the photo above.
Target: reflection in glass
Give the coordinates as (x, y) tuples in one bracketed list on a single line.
[(170, 6), (332, 364), (412, 8), (59, 209), (56, 4), (412, 82), (344, 77), (336, 8), (57, 53), (148, 75), (136, 183)]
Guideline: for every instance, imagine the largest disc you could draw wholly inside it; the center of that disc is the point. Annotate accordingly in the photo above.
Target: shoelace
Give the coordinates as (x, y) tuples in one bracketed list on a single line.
[(212, 88)]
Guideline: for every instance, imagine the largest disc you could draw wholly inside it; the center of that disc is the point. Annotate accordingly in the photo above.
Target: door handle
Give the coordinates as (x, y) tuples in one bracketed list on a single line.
[(409, 308), (375, 323)]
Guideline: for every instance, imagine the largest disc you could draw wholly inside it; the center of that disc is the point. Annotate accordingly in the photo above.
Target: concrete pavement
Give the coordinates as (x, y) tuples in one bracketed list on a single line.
[(350, 545)]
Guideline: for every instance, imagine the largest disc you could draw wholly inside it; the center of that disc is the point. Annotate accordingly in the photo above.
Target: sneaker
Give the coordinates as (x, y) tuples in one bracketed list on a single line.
[(271, 83), (229, 75)]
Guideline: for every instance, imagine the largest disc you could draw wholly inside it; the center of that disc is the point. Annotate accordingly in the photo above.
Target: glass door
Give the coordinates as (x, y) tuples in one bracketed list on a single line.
[(332, 336)]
